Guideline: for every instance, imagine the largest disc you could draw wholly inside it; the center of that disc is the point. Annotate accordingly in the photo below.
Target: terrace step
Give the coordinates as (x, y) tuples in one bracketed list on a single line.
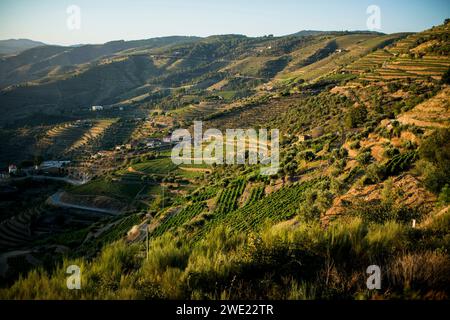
[(7, 232), (18, 227), (8, 244)]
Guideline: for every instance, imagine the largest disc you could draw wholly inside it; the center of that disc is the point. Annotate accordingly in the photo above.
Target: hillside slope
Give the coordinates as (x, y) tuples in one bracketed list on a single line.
[(229, 62), (364, 175), (15, 46)]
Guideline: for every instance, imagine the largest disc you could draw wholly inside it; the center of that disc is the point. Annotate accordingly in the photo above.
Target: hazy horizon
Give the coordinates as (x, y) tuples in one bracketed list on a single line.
[(102, 21), (179, 35)]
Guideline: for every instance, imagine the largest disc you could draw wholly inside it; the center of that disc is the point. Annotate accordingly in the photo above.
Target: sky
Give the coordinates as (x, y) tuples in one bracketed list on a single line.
[(100, 21)]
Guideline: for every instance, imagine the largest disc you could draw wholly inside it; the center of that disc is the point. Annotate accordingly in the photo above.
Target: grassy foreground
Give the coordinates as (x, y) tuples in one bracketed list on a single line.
[(310, 262)]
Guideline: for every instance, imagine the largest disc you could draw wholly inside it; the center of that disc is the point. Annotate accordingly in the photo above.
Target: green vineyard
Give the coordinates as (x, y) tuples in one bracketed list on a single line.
[(178, 219), (204, 194), (400, 163), (276, 207), (228, 199), (256, 195), (116, 232)]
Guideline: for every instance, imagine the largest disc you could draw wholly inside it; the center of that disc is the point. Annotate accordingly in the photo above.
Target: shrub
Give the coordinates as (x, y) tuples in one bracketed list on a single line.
[(391, 152), (384, 240), (427, 273), (444, 196), (364, 158), (383, 210), (446, 77), (375, 172), (436, 150), (400, 163), (355, 145), (356, 116), (316, 203), (308, 155), (345, 241)]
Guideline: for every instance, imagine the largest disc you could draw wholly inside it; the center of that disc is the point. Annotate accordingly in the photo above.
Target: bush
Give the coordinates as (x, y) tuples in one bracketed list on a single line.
[(384, 240), (374, 173), (316, 203), (436, 150), (308, 155), (356, 116), (391, 152), (446, 77), (364, 158), (355, 145), (427, 272), (433, 178), (383, 210), (287, 261), (444, 196), (400, 163)]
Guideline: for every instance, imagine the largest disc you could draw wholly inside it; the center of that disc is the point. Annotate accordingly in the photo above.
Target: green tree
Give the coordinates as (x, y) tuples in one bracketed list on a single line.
[(444, 196), (356, 116), (436, 151), (446, 77)]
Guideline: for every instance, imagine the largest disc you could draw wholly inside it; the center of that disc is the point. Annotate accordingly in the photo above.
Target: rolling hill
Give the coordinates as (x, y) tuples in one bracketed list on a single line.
[(61, 80), (364, 168), (15, 46)]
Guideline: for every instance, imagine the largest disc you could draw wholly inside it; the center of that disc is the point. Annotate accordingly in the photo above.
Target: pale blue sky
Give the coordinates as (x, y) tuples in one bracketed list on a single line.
[(106, 20)]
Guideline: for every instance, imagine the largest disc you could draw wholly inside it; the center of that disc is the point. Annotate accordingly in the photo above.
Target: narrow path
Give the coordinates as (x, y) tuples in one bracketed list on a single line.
[(55, 200), (67, 180)]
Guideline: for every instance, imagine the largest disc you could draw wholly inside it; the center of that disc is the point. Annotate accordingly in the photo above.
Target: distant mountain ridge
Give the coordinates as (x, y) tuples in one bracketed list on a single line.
[(62, 80), (52, 60), (307, 33), (58, 79), (14, 46)]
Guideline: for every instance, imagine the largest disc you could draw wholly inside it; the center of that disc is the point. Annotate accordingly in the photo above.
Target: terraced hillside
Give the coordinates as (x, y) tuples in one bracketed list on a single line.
[(197, 112), (363, 174), (82, 136), (59, 139), (119, 74), (333, 54), (96, 131), (413, 57), (433, 113)]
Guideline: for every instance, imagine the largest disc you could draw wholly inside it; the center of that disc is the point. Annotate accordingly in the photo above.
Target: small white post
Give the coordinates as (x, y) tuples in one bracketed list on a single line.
[(414, 223)]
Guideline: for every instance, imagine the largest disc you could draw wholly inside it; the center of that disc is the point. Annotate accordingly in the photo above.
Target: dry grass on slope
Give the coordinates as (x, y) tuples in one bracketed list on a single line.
[(408, 188), (433, 113)]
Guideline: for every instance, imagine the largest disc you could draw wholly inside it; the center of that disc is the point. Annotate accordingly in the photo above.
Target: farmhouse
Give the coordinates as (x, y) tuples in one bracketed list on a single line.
[(102, 154), (97, 108), (53, 166), (152, 143), (304, 137), (12, 169)]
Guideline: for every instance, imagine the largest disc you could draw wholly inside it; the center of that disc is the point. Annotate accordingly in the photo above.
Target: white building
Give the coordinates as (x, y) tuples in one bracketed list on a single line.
[(12, 169), (46, 165), (97, 108)]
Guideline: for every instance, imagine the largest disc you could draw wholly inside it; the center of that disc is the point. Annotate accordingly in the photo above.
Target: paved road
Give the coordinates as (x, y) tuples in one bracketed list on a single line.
[(56, 201), (65, 179)]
